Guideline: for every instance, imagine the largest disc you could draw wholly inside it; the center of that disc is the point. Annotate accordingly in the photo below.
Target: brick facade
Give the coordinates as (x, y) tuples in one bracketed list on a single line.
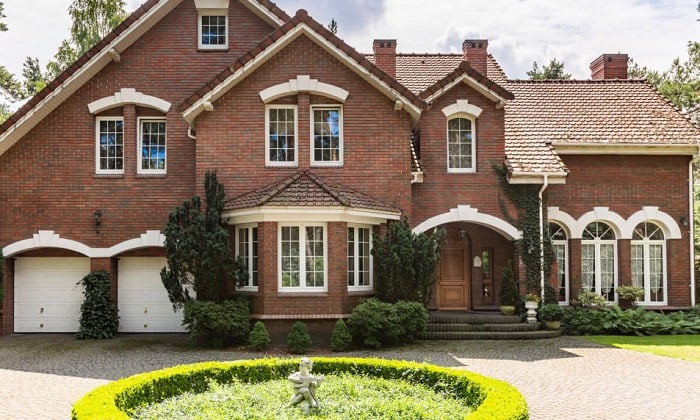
[(48, 180)]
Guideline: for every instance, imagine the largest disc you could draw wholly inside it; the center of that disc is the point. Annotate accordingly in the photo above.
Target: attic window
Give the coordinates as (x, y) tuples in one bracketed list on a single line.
[(212, 26)]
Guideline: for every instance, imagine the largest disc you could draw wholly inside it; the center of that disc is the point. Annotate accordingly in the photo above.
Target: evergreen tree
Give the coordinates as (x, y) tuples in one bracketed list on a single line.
[(553, 70), (197, 248)]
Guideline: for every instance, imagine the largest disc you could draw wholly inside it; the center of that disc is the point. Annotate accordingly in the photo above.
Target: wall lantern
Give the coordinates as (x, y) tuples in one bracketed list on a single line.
[(98, 220)]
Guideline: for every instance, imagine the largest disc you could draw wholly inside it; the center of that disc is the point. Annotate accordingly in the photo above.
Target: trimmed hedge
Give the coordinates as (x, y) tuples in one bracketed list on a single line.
[(490, 398)]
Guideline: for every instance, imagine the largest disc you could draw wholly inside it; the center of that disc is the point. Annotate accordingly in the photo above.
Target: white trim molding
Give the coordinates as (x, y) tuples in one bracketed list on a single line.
[(304, 83), (563, 148), (466, 213), (308, 214), (623, 229), (462, 106), (50, 239), (46, 239), (128, 96), (211, 4), (652, 214), (476, 85), (191, 113)]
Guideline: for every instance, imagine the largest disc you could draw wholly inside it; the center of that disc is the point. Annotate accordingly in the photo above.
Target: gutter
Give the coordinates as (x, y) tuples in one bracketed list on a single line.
[(691, 233), (545, 183)]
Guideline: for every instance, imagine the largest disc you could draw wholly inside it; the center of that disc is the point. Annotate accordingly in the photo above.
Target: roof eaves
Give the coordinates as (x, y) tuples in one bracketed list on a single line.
[(301, 23), (464, 72)]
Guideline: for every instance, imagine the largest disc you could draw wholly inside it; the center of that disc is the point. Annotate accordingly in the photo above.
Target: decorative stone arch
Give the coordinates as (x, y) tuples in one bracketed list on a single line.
[(471, 215), (128, 96), (152, 238), (46, 239), (652, 214), (603, 214), (304, 83), (462, 106), (563, 219)]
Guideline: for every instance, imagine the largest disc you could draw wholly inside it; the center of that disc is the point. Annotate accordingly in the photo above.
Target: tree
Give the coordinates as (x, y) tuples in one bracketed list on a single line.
[(3, 26), (92, 21), (333, 26), (405, 262), (197, 248), (553, 70)]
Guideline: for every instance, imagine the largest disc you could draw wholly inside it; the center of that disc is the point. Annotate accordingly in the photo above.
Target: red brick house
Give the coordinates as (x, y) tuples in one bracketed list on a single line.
[(318, 146)]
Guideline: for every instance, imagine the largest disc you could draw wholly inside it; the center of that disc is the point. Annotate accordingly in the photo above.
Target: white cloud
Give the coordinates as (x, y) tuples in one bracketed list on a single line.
[(653, 32)]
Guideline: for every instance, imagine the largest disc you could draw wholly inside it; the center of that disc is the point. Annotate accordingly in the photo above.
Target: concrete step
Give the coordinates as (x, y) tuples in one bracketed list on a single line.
[(436, 327), (472, 318), (488, 335)]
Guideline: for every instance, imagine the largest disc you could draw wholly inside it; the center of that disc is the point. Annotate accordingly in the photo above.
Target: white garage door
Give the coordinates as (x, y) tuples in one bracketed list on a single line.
[(47, 297), (143, 302)]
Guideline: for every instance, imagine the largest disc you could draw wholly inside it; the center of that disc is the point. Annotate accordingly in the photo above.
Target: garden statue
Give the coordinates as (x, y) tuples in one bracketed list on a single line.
[(305, 386)]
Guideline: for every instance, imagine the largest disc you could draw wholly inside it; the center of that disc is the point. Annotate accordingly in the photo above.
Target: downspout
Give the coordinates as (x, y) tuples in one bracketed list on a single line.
[(691, 235), (545, 183)]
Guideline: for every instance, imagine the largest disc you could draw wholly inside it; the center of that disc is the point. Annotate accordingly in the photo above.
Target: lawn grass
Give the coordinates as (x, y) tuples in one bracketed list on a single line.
[(685, 347)]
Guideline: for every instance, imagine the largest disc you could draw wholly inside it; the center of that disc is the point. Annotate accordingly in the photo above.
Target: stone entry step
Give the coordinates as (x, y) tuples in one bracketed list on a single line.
[(482, 326)]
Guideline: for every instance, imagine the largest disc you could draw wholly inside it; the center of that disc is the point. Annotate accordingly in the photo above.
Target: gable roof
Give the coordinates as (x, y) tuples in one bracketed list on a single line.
[(98, 57), (419, 71), (552, 117), (306, 189), (300, 24)]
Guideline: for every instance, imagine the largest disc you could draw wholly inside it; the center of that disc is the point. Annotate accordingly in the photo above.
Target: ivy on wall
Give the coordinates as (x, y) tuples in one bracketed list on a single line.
[(525, 200)]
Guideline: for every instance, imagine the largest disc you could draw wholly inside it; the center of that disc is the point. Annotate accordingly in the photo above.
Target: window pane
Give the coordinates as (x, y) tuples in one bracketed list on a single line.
[(111, 138), (326, 135), (351, 256), (281, 139), (213, 30), (459, 135), (588, 267), (290, 256), (153, 152), (314, 256), (638, 265)]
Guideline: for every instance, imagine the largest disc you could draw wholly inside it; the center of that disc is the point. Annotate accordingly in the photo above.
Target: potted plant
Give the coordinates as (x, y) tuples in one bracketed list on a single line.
[(629, 296), (508, 294), (532, 301), (552, 315)]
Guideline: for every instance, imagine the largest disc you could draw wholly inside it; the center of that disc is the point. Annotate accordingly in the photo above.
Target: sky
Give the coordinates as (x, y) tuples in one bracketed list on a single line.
[(652, 32)]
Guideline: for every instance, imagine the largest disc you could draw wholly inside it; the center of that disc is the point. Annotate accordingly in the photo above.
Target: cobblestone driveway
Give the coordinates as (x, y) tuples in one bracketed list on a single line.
[(564, 378)]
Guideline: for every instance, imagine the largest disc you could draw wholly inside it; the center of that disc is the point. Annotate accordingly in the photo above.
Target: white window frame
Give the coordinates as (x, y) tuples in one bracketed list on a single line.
[(269, 162), (302, 259), (211, 12), (313, 161), (139, 146), (249, 227), (98, 120), (645, 243), (447, 143), (597, 265), (356, 260), (565, 244)]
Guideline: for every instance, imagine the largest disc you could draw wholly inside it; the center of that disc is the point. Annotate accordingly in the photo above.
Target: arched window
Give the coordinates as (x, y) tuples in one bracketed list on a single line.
[(599, 260), (461, 145), (649, 262), (560, 248)]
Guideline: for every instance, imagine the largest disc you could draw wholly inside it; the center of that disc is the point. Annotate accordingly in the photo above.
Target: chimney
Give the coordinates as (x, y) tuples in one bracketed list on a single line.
[(609, 66), (385, 55), (475, 53)]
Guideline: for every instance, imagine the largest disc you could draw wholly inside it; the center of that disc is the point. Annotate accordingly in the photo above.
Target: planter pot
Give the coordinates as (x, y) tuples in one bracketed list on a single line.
[(531, 306), (552, 325), (507, 310)]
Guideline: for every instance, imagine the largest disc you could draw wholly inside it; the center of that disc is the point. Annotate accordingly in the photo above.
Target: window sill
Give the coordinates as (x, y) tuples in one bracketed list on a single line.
[(326, 165), (460, 172), (107, 176), (210, 49), (250, 291), (302, 294), (139, 176), (368, 292)]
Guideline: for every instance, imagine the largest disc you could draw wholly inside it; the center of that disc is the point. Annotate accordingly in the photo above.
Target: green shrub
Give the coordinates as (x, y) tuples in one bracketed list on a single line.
[(551, 312), (508, 294), (588, 299), (259, 337), (98, 315), (639, 321), (298, 340), (215, 325), (489, 398), (375, 323), (587, 321), (341, 339), (550, 295)]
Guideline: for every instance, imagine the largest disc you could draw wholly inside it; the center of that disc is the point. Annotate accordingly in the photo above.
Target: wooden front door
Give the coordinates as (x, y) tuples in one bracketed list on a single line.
[(454, 280)]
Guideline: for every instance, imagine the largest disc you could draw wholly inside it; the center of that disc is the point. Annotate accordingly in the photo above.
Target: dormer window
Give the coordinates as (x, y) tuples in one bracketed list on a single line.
[(212, 25)]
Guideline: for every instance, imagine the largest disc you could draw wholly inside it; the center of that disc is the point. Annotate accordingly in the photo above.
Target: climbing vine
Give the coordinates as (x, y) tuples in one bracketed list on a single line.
[(525, 200)]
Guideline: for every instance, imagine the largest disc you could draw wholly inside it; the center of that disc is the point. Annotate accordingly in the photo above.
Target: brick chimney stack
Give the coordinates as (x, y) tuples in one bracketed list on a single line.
[(385, 55), (475, 53), (609, 66)]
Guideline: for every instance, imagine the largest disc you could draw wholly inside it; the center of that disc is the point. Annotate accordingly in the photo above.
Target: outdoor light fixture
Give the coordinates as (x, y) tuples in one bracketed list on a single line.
[(98, 220), (684, 221)]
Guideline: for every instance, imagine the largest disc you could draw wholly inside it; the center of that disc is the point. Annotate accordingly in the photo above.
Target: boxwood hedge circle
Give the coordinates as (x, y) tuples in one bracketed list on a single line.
[(488, 398)]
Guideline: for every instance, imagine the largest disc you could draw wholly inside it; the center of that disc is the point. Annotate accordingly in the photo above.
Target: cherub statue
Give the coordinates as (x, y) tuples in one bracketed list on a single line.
[(305, 386)]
